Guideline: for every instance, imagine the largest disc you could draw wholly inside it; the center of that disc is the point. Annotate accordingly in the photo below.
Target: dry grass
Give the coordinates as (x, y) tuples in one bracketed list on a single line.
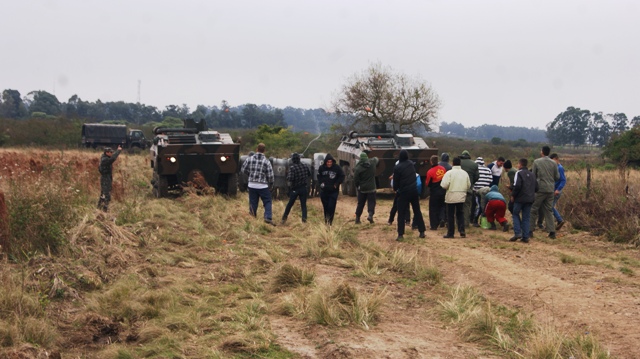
[(611, 207), (289, 277)]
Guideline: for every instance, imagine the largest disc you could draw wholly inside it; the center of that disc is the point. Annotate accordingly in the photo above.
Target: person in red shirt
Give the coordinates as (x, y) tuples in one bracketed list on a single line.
[(436, 198)]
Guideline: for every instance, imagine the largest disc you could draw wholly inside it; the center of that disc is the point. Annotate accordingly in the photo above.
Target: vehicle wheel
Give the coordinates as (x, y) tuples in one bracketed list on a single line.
[(161, 186), (232, 185)]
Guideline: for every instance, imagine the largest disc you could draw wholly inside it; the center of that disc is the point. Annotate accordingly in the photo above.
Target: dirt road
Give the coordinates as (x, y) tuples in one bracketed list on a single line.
[(577, 283)]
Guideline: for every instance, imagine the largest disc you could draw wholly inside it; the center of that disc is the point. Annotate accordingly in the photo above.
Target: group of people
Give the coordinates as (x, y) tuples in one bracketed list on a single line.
[(460, 195)]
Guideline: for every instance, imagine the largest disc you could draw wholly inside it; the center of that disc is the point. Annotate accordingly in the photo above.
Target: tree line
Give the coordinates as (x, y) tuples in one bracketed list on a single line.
[(493, 133), (578, 127), (42, 104)]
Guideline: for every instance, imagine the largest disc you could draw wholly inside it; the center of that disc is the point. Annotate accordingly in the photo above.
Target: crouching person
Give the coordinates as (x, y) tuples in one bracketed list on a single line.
[(496, 208)]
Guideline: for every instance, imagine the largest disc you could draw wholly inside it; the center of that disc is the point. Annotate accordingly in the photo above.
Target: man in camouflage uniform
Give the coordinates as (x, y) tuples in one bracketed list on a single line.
[(106, 179)]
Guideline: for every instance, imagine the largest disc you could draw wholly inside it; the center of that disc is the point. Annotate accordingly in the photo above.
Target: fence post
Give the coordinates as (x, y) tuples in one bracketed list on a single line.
[(588, 181)]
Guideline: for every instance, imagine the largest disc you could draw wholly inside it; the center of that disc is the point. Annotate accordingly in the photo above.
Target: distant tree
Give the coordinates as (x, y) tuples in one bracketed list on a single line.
[(624, 148), (496, 141), (11, 105), (453, 128), (378, 95), (635, 122), (599, 129), (619, 123), (176, 111), (569, 127), (42, 101)]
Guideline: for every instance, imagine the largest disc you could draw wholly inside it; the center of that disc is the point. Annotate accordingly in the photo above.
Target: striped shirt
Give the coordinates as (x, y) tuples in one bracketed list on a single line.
[(484, 179)]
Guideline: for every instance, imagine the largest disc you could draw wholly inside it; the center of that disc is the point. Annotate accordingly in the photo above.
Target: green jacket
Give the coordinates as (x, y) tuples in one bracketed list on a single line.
[(546, 171), (471, 167), (365, 175)]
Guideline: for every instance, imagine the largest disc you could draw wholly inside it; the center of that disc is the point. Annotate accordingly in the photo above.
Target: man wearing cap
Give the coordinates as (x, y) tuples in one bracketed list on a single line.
[(106, 179), (469, 166), (365, 181), (298, 179)]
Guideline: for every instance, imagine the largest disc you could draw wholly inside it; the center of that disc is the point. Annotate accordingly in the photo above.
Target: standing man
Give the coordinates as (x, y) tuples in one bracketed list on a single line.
[(484, 181), (469, 166), (365, 180), (524, 193), (511, 174), (496, 170), (106, 179), (405, 184), (298, 179), (444, 161), (260, 174), (546, 172), (436, 198), (330, 177), (457, 183), (558, 191)]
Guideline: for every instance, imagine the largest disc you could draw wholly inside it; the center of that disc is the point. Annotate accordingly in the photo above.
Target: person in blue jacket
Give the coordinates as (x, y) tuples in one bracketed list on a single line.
[(560, 183)]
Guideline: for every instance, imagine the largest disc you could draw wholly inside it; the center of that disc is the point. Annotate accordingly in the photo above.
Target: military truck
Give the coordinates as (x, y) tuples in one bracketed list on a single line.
[(386, 146), (99, 135), (195, 156)]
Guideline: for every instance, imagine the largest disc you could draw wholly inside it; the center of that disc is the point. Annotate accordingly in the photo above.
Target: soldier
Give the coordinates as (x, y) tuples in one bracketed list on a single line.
[(105, 168), (365, 181), (547, 174), (260, 173), (405, 184), (469, 166)]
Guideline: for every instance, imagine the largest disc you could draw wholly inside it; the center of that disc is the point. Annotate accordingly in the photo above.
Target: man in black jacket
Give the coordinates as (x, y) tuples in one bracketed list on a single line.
[(524, 191), (330, 177), (298, 178), (404, 183), (106, 179)]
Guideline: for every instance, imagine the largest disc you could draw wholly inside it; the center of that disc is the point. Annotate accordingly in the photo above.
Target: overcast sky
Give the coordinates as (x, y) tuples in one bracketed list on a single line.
[(510, 62)]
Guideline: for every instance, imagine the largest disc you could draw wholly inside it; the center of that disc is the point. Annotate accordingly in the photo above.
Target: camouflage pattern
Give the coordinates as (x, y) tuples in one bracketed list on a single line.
[(195, 156), (386, 147), (106, 179)]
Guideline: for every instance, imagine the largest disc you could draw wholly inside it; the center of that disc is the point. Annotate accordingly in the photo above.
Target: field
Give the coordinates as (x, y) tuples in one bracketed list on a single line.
[(196, 277)]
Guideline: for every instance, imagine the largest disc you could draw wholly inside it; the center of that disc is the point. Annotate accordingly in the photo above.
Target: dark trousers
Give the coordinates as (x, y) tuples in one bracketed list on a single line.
[(394, 210), (476, 208), (329, 201), (436, 207), (455, 213), (404, 200), (105, 192), (294, 193), (256, 194), (370, 199), (467, 208)]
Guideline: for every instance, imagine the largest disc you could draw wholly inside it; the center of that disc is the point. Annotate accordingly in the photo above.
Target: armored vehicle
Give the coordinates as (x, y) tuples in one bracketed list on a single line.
[(196, 156), (386, 146), (98, 134)]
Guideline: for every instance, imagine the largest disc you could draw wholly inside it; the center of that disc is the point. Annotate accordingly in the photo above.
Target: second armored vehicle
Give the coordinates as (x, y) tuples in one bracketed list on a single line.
[(195, 156), (386, 146)]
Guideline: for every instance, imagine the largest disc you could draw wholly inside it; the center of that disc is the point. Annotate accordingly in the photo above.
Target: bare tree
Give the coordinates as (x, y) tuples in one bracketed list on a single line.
[(381, 96)]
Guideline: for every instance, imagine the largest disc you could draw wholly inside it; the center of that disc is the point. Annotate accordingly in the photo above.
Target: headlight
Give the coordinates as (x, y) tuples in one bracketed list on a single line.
[(172, 159), (223, 158)]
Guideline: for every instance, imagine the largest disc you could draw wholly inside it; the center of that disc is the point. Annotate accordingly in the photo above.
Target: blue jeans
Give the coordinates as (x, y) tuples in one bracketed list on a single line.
[(521, 225), (555, 211), (265, 195)]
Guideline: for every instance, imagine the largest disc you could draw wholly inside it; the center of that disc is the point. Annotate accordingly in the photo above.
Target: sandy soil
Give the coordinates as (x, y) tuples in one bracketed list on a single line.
[(590, 295)]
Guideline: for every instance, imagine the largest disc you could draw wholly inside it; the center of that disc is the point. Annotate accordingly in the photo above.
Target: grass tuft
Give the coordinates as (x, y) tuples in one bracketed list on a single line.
[(289, 277)]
